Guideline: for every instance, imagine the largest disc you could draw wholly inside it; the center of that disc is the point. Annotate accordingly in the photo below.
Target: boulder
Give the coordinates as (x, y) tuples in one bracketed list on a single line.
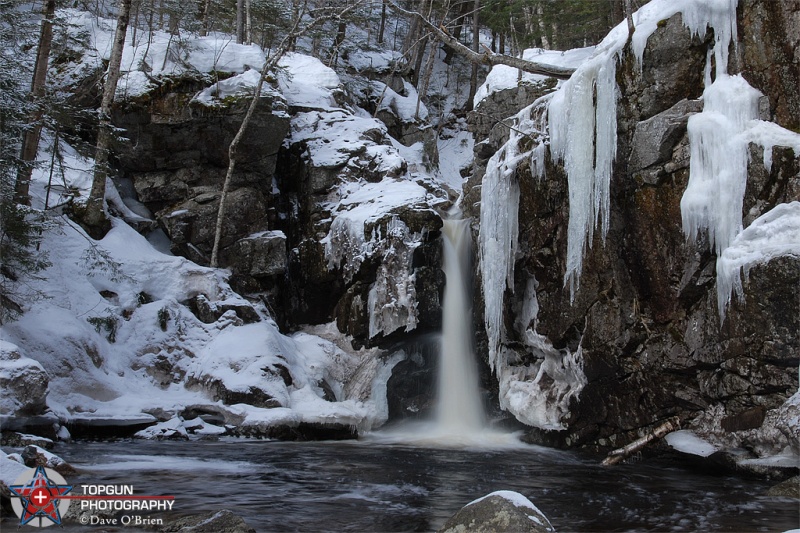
[(23, 383), (499, 512), (209, 522), (786, 489)]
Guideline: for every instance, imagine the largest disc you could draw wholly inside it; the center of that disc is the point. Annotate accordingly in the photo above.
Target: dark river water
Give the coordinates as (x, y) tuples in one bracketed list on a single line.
[(379, 486)]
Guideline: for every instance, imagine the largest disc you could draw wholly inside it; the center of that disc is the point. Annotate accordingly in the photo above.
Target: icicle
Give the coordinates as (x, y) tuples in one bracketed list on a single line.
[(584, 136), (499, 222), (718, 161)]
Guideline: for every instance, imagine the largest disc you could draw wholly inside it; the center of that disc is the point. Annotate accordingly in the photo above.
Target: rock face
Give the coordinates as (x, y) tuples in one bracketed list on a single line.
[(175, 151), (499, 512), (645, 317)]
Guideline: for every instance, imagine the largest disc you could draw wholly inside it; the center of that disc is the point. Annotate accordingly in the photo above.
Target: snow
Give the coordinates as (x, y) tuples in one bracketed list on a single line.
[(503, 77), (241, 85), (10, 469), (455, 154), (347, 244), (146, 369), (686, 441), (775, 233), (306, 82), (403, 107), (148, 55)]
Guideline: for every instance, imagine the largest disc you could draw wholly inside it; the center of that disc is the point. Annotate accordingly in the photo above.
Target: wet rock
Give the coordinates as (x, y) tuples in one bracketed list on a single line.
[(34, 456), (786, 489), (18, 440), (210, 522), (499, 512)]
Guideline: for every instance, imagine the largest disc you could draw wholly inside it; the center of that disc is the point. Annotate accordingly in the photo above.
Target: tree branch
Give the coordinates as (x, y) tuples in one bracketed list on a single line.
[(488, 58)]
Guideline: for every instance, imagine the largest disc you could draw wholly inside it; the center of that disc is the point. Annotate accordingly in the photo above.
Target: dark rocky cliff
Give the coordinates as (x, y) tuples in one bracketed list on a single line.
[(645, 317)]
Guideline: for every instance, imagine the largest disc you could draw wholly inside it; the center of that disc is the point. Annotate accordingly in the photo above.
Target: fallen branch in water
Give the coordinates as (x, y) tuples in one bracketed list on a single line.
[(618, 455)]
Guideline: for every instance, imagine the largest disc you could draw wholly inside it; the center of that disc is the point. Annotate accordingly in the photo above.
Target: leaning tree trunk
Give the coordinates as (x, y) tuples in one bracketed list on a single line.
[(476, 45), (30, 141), (95, 217)]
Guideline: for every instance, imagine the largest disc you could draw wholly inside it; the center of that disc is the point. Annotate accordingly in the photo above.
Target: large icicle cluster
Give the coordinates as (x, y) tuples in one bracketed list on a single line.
[(719, 138), (538, 393), (718, 161), (583, 122), (584, 136), (499, 222)]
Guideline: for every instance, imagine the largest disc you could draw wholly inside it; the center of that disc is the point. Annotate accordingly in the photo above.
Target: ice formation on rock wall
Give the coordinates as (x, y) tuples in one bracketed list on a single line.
[(392, 301), (773, 234), (583, 119), (713, 198), (583, 134), (499, 223)]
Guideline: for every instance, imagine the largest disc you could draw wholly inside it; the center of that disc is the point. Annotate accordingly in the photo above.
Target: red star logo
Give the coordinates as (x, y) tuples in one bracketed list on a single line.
[(40, 497)]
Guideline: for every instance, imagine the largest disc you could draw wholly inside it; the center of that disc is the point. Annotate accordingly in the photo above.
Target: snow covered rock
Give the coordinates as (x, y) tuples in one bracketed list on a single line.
[(501, 511), (23, 383)]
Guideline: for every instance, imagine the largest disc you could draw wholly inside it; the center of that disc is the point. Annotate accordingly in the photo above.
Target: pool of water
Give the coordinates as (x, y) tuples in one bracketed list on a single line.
[(382, 485)]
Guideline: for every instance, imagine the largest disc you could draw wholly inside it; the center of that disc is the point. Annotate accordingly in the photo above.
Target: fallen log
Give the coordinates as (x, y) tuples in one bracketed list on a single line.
[(620, 454)]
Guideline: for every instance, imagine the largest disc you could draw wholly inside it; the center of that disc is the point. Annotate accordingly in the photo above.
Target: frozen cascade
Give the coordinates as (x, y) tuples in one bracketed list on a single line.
[(459, 410), (584, 137), (713, 198), (499, 211)]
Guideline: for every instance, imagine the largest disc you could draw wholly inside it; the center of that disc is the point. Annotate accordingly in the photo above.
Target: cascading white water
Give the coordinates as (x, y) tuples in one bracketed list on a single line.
[(459, 410)]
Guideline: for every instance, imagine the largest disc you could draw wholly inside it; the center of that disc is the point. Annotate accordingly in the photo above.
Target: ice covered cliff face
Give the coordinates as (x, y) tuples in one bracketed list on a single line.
[(582, 129)]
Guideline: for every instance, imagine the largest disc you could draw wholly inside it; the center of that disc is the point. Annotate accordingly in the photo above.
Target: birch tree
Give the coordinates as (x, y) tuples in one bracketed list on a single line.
[(95, 217)]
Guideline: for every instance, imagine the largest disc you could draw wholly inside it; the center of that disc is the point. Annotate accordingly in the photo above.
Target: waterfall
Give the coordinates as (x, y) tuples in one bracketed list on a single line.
[(459, 409)]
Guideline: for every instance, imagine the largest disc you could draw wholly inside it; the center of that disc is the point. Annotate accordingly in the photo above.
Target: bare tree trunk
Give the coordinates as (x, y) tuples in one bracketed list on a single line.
[(629, 17), (476, 45), (30, 141), (542, 27), (206, 22), (95, 217), (240, 21), (248, 23), (422, 87), (341, 32), (383, 22)]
